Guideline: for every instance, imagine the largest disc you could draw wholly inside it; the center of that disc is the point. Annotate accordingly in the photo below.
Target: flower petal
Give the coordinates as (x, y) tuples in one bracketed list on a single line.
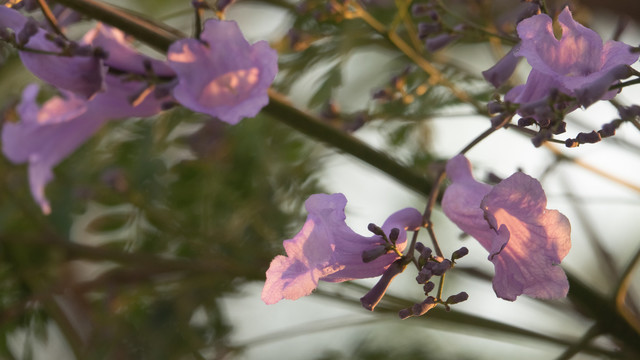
[(525, 241), (224, 77)]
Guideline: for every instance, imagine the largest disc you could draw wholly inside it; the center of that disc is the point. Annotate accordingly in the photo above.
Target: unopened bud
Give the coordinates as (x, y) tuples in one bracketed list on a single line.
[(373, 297), (428, 287), (457, 298), (372, 254), (440, 268), (437, 42), (393, 235), (420, 309), (588, 138), (30, 28), (375, 229), (460, 253)]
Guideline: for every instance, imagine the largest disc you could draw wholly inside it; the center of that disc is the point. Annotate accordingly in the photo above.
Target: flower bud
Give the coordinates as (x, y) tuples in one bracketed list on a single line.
[(588, 138), (393, 235), (373, 297), (372, 254), (30, 28), (428, 287), (437, 42), (460, 253), (457, 298), (499, 73), (375, 229)]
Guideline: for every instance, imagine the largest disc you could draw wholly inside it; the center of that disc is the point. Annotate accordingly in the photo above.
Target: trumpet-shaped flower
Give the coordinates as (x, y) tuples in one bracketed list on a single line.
[(576, 64), (222, 74), (525, 241), (82, 74), (327, 249), (46, 135)]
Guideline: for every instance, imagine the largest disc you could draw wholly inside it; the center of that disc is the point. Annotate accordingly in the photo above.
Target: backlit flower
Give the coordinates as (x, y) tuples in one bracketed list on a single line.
[(327, 249), (221, 74), (525, 241)]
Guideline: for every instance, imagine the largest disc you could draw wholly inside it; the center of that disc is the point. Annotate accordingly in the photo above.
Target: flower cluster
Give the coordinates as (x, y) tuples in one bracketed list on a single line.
[(574, 70), (102, 77)]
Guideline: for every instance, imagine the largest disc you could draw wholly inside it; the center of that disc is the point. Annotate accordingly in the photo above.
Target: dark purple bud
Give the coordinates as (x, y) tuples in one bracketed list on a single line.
[(393, 235), (425, 253), (526, 121), (588, 138), (440, 268), (375, 229), (425, 274), (609, 129), (571, 143), (420, 247), (439, 41), (460, 253), (629, 112), (540, 138), (499, 73), (405, 314), (428, 287), (372, 254), (373, 297), (427, 29), (457, 298), (495, 107), (434, 15), (560, 128), (30, 28), (420, 309)]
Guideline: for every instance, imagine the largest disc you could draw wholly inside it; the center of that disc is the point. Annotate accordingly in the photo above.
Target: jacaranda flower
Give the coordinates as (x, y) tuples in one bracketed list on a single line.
[(82, 74), (575, 65), (327, 249), (221, 74), (525, 241), (46, 135)]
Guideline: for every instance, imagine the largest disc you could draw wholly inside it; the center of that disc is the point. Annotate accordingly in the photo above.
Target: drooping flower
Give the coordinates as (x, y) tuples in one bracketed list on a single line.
[(46, 135), (575, 65), (81, 72), (327, 249), (222, 74), (525, 241)]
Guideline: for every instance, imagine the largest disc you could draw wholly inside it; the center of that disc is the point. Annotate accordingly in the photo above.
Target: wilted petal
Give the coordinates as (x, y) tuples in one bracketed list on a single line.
[(327, 249), (225, 76), (525, 241)]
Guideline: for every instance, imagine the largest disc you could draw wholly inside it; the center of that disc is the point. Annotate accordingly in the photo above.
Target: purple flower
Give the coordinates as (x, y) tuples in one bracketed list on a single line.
[(46, 135), (82, 75), (525, 240), (327, 249), (576, 61), (121, 55), (221, 74)]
